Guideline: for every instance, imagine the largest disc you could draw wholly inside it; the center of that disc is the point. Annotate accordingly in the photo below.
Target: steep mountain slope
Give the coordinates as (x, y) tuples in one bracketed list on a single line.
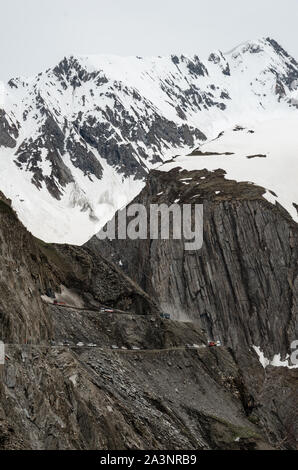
[(77, 140), (76, 143), (63, 386), (241, 288), (30, 269), (264, 154), (242, 285)]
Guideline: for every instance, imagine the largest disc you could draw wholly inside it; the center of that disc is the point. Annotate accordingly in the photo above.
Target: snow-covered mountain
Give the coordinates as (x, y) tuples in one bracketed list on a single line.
[(77, 140), (265, 154)]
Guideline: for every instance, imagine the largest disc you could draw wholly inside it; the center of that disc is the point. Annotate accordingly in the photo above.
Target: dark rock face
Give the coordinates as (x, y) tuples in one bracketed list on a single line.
[(220, 59), (30, 268), (70, 72), (241, 287), (65, 386), (290, 72), (72, 379), (123, 153), (84, 159), (52, 142), (95, 398), (277, 47), (242, 284), (29, 157), (113, 132), (8, 131), (56, 392), (57, 395), (100, 282), (196, 67), (22, 313), (83, 114)]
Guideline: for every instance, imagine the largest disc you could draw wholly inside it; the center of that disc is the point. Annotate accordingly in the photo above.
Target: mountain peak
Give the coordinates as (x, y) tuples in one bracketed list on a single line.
[(279, 49), (257, 46), (80, 137)]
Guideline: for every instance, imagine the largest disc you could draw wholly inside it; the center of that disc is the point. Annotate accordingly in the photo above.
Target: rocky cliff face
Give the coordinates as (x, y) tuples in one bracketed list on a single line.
[(22, 312), (84, 397), (78, 378), (242, 284), (31, 268), (81, 379), (241, 287)]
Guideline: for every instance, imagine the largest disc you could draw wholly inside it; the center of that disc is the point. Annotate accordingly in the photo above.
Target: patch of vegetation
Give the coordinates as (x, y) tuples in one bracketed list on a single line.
[(227, 432), (254, 419)]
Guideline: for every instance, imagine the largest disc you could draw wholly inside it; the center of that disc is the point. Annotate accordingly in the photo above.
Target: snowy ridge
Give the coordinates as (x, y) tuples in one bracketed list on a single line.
[(265, 154), (77, 140)]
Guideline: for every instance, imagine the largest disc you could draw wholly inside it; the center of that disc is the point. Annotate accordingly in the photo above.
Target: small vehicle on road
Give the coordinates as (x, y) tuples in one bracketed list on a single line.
[(192, 346), (166, 316), (56, 302), (211, 344)]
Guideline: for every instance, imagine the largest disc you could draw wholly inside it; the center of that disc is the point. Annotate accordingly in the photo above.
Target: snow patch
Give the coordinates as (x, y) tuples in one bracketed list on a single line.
[(275, 362), (277, 173), (73, 379)]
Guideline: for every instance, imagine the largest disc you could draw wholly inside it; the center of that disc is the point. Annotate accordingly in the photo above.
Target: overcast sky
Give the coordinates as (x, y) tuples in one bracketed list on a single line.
[(36, 34)]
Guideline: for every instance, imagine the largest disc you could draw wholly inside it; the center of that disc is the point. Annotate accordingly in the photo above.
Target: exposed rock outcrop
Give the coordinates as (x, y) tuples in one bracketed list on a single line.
[(101, 123), (241, 287), (82, 379), (8, 131), (242, 284), (31, 268)]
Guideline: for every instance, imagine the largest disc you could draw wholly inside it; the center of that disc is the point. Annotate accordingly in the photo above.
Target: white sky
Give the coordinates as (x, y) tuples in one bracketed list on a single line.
[(36, 34)]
